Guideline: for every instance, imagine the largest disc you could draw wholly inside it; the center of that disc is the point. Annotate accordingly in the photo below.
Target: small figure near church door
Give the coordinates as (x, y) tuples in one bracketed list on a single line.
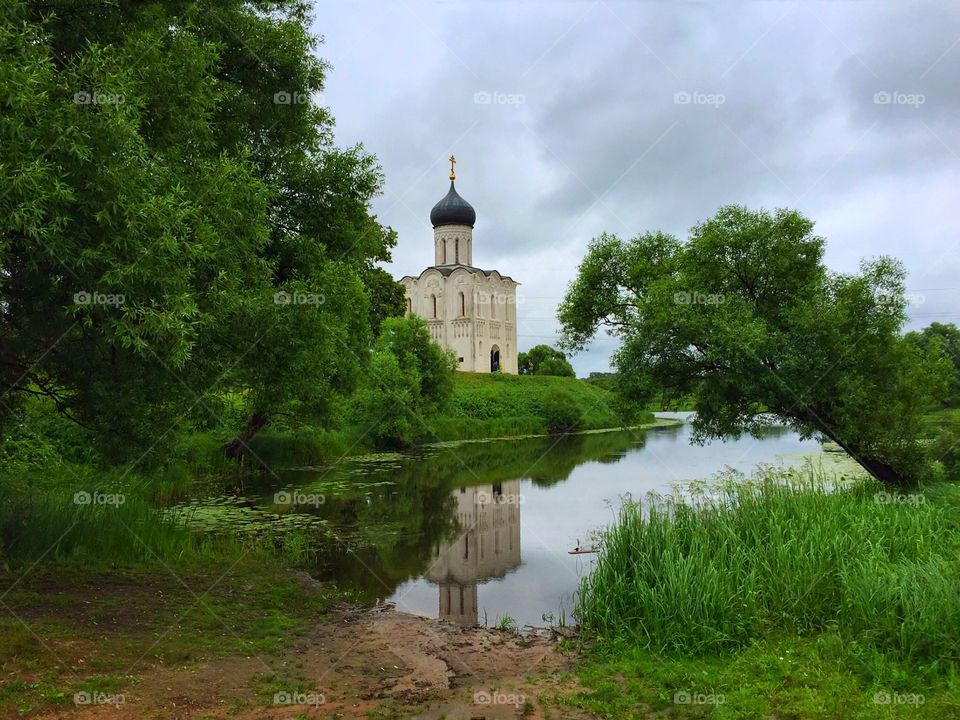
[(495, 359)]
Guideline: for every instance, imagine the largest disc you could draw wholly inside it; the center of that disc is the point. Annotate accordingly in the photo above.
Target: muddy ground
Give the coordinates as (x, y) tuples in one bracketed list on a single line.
[(361, 663)]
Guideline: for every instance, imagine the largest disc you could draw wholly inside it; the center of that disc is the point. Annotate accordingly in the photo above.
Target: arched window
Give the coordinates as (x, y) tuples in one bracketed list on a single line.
[(463, 305), (456, 250), (433, 299), (493, 306), (409, 306), (444, 244)]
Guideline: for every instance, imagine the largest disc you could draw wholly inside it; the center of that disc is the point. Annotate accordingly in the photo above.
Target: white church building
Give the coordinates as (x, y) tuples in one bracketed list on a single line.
[(468, 310)]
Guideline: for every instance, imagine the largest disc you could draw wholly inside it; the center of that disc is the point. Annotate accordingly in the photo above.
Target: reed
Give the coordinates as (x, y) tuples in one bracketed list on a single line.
[(782, 551)]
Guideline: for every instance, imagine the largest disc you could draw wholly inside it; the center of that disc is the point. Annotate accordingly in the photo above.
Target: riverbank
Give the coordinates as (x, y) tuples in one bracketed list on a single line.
[(780, 597), (257, 641), (254, 643), (483, 406), (107, 611)]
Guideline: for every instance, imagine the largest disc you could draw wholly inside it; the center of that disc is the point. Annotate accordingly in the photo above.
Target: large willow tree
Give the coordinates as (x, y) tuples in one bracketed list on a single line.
[(745, 318), (177, 225)]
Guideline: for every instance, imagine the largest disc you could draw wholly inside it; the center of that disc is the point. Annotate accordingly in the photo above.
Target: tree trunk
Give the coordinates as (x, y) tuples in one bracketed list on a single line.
[(234, 449), (878, 469)]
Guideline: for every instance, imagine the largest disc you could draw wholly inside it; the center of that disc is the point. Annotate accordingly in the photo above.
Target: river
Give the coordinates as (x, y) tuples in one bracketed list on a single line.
[(480, 532)]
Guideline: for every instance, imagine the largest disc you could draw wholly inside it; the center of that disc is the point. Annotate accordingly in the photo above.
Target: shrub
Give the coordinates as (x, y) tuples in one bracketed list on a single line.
[(560, 413)]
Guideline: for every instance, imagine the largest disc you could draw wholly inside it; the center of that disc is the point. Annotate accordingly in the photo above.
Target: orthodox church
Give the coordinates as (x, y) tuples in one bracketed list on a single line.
[(468, 310)]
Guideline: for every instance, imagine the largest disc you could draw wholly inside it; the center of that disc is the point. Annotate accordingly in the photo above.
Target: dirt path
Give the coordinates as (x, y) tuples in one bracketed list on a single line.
[(357, 664)]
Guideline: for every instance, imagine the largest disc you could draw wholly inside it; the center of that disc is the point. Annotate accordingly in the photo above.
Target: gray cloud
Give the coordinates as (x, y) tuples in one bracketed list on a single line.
[(584, 131)]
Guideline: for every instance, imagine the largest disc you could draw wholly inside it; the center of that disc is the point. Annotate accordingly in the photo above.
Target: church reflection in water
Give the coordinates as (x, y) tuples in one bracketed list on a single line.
[(488, 547)]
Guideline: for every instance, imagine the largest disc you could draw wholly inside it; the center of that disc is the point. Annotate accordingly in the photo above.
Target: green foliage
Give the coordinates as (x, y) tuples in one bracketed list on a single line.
[(745, 318), (558, 367), (605, 380), (175, 222), (783, 552), (410, 377), (944, 449), (387, 297), (560, 412), (544, 360), (945, 339)]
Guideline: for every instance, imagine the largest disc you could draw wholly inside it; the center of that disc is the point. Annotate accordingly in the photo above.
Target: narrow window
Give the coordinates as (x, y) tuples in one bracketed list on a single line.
[(463, 305), (456, 250), (433, 298)]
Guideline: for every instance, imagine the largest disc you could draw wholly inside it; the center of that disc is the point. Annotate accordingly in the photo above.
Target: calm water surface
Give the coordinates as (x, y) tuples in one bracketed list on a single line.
[(477, 532)]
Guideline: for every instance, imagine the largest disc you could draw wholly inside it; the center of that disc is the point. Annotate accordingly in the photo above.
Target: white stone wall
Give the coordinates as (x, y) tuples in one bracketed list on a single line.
[(453, 245), (483, 318)]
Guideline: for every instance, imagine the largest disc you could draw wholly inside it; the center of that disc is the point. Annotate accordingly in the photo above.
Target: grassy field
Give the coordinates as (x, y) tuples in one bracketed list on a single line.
[(493, 405), (778, 598)]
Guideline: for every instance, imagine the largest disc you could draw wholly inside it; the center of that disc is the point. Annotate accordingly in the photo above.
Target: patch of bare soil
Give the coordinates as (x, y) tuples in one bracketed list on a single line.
[(357, 664)]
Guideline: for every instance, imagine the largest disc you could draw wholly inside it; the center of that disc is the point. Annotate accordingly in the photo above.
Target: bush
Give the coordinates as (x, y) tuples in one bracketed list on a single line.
[(560, 413), (945, 450), (558, 367), (409, 377)]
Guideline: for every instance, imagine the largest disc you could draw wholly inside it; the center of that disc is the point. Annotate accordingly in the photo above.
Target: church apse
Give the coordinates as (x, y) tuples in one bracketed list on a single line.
[(488, 546)]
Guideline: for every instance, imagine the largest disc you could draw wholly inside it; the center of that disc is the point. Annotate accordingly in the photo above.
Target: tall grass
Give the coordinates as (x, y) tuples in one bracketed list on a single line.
[(780, 552)]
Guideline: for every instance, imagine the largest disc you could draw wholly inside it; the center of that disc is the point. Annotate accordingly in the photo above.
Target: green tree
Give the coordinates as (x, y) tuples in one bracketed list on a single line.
[(175, 221), (411, 377), (945, 337), (745, 318), (545, 360), (387, 297)]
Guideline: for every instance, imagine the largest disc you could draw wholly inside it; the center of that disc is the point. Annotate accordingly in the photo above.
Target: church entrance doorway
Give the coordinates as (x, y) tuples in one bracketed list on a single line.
[(495, 359)]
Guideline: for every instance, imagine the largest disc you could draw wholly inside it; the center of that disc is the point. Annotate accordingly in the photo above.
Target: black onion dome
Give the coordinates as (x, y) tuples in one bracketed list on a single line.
[(453, 210)]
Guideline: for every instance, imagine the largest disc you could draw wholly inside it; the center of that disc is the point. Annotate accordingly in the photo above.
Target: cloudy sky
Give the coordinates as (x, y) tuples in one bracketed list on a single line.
[(570, 118)]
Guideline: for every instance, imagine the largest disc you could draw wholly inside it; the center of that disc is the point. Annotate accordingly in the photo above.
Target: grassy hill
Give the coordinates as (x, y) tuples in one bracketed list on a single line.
[(494, 405)]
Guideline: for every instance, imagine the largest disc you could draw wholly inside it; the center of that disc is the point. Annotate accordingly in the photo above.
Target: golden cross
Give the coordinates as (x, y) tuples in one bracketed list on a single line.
[(453, 161)]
